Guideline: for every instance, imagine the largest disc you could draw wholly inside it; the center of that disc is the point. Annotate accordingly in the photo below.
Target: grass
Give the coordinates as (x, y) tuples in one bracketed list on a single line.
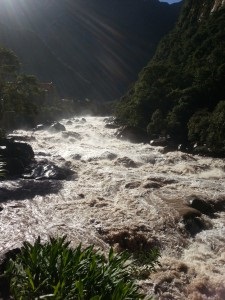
[(56, 271)]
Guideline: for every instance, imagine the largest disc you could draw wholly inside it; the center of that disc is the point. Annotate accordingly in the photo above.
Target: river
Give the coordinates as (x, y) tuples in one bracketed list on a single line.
[(128, 196)]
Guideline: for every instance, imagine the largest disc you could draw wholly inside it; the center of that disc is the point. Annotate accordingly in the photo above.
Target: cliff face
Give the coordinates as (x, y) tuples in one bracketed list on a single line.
[(198, 10), (217, 5), (185, 77)]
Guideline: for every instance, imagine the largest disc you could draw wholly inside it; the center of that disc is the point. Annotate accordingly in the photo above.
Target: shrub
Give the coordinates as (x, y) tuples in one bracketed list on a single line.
[(54, 270)]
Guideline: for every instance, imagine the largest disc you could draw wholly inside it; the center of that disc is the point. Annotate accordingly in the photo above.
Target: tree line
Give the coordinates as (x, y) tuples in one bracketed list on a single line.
[(181, 91)]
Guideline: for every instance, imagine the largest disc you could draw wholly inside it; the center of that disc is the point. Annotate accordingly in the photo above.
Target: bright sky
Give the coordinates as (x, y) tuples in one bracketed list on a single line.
[(170, 1)]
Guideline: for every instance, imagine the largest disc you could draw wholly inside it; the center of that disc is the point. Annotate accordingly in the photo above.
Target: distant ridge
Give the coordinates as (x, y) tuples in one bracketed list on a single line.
[(88, 48)]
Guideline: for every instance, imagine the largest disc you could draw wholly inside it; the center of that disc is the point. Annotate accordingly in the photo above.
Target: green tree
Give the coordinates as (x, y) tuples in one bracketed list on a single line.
[(216, 130), (9, 65), (157, 124), (198, 127)]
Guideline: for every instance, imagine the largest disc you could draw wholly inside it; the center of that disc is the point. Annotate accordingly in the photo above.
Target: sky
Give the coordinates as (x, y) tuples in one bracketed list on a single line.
[(170, 1)]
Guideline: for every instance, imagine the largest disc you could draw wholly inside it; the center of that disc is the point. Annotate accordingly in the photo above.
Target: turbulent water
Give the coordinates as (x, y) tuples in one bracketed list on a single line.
[(128, 196)]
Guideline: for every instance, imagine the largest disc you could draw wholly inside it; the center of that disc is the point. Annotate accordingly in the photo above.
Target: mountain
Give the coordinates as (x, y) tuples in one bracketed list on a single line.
[(88, 48), (181, 90)]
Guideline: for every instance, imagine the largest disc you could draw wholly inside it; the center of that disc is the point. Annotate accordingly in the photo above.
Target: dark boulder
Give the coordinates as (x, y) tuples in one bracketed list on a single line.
[(185, 147), (132, 185), (17, 156), (109, 119), (111, 125), (57, 127), (152, 185), (43, 126), (161, 142), (170, 148), (132, 134), (40, 127), (108, 155), (194, 225), (45, 170), (201, 205), (69, 123), (192, 220), (126, 162)]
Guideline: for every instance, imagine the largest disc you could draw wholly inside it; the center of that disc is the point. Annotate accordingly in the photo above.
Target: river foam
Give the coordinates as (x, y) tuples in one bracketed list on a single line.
[(125, 195)]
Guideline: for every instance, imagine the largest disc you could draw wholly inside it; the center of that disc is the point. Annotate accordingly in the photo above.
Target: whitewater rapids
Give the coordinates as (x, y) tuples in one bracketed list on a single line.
[(121, 194)]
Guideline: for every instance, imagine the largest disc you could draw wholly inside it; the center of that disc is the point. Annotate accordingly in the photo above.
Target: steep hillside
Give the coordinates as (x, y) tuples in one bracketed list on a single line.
[(181, 91), (97, 47)]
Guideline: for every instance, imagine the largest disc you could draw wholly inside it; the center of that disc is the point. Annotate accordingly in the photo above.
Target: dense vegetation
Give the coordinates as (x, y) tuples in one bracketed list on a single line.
[(23, 101), (56, 271), (181, 91)]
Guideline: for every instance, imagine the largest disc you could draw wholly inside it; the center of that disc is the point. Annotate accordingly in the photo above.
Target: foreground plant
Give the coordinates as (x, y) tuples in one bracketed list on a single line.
[(54, 270)]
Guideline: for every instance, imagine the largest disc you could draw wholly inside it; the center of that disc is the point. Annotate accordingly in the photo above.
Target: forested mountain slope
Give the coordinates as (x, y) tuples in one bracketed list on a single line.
[(88, 48), (181, 91)]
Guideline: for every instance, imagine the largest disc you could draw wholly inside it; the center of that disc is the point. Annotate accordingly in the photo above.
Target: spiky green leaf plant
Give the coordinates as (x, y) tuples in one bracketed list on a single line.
[(56, 271)]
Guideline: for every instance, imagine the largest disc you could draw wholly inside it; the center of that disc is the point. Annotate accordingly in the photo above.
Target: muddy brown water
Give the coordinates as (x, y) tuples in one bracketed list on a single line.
[(127, 196)]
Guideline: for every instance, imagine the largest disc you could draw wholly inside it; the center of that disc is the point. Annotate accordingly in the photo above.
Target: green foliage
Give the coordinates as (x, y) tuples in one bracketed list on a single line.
[(198, 127), (209, 128), (157, 123), (145, 263), (22, 101), (216, 130), (9, 64), (54, 270), (186, 75)]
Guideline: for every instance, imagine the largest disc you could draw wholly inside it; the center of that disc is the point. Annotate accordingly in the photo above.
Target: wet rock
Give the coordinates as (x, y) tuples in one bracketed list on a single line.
[(83, 120), (132, 134), (133, 185), (69, 123), (49, 171), (126, 161), (109, 120), (152, 185), (57, 127), (41, 127), (194, 225), (184, 148), (111, 126), (17, 156), (76, 157), (40, 153), (170, 148), (201, 205), (1, 208), (81, 196), (192, 220), (161, 141), (162, 180), (108, 155), (67, 134)]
